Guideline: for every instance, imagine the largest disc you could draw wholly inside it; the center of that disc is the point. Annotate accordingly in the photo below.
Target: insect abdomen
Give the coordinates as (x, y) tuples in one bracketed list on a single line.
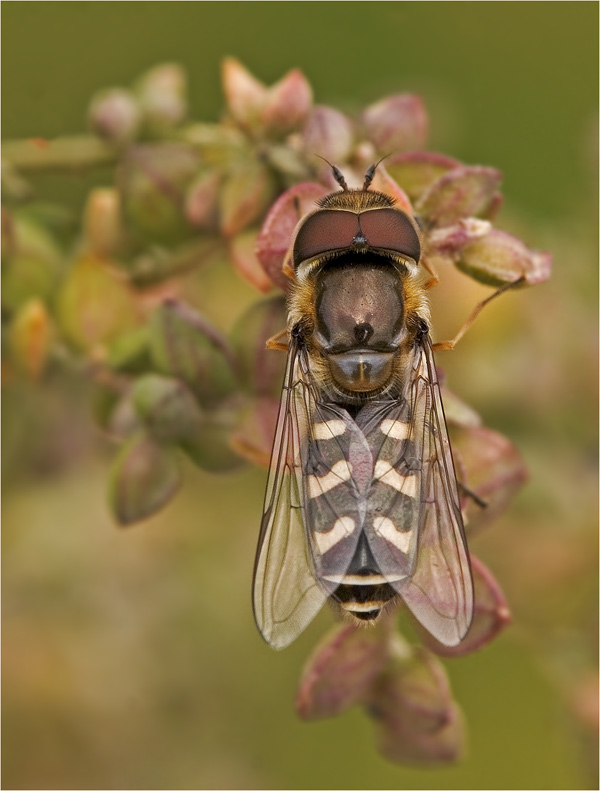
[(364, 601)]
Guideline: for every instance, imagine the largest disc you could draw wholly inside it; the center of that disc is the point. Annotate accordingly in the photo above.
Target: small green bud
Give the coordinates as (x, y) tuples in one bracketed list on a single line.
[(210, 447), (144, 477), (417, 170), (184, 345), (162, 94), (102, 226), (245, 196), (167, 408), (466, 191), (31, 335), (498, 258)]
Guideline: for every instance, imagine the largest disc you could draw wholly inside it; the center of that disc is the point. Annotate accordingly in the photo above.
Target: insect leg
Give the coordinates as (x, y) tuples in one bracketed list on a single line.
[(447, 345), (434, 279), (469, 493), (279, 341)]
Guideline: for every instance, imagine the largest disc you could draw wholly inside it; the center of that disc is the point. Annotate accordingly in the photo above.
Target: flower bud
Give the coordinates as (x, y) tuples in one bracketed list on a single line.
[(253, 437), (457, 412), (245, 196), (184, 345), (416, 171), (30, 337), (102, 226), (162, 95), (210, 447), (498, 258), (153, 180), (277, 231), (202, 201), (33, 263), (341, 670), (494, 471), (144, 477), (462, 192), (329, 133), (167, 408), (217, 144), (288, 103), (129, 352), (94, 304), (383, 182), (417, 722), (490, 615), (115, 116), (242, 251), (261, 369), (397, 123), (246, 96)]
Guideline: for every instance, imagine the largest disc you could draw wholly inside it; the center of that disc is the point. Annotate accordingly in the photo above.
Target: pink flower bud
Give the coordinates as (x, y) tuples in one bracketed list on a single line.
[(242, 250), (491, 615), (288, 104), (417, 722), (167, 408), (246, 97), (115, 116), (494, 470), (397, 123), (162, 94), (341, 670), (202, 201), (277, 231), (329, 133), (383, 182)]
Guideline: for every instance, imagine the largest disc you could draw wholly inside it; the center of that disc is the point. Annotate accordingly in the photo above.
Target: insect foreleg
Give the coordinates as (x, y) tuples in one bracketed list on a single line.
[(447, 345)]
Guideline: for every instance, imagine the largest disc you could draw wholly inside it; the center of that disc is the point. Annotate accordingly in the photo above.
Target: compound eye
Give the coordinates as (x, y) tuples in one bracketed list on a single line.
[(391, 229), (323, 232)]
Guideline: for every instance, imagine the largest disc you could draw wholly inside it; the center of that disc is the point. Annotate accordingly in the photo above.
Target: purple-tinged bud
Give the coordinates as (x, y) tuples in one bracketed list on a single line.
[(115, 116), (329, 133), (277, 231), (288, 104), (397, 123), (162, 95), (211, 447), (202, 201), (417, 722), (490, 615), (494, 470), (246, 96), (417, 170), (102, 227), (30, 335), (167, 408), (144, 477), (341, 670), (186, 346), (253, 438), (261, 369), (95, 304), (466, 191), (242, 251), (245, 196), (498, 258), (449, 240), (153, 181)]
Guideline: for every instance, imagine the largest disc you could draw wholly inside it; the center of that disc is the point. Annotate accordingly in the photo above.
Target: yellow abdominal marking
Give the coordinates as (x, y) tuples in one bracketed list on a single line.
[(340, 472), (396, 429), (385, 528), (328, 429), (407, 484), (342, 527)]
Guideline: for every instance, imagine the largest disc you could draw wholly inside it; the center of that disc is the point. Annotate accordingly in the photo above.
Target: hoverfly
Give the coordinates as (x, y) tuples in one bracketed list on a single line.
[(362, 506)]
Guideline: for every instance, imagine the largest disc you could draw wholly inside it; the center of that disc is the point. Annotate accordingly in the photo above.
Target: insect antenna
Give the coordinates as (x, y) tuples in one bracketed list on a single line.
[(370, 174), (337, 173)]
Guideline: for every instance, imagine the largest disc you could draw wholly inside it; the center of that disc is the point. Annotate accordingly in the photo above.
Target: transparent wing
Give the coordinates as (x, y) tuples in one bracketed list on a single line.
[(440, 592), (286, 595), (415, 528)]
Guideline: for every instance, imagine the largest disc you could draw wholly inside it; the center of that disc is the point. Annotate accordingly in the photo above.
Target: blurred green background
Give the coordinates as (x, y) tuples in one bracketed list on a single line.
[(130, 657)]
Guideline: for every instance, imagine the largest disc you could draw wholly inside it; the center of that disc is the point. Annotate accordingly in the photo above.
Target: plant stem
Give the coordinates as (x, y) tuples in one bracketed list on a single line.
[(77, 152)]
